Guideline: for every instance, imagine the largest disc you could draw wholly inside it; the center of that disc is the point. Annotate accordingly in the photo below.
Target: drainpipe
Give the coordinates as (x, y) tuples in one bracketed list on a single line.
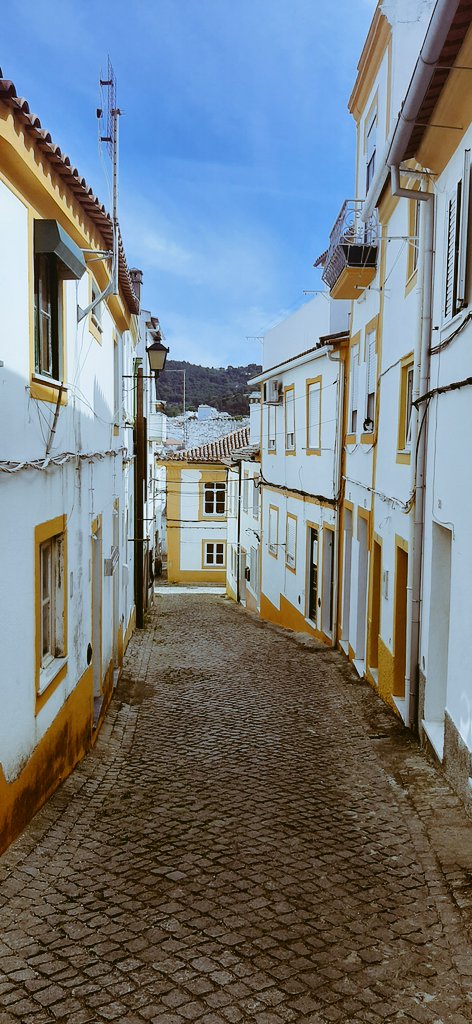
[(337, 358), (238, 548)]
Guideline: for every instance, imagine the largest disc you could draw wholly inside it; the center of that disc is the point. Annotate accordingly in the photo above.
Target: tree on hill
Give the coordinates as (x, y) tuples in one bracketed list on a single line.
[(225, 388)]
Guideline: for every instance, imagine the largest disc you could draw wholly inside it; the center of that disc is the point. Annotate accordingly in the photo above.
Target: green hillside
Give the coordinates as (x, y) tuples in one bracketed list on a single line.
[(225, 388)]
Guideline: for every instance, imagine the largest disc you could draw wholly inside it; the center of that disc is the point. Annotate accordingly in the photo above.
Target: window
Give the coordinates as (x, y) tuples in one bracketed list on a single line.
[(255, 496), (51, 605), (371, 385), (245, 492), (313, 440), (290, 419), (273, 530), (214, 553), (406, 405), (353, 393), (271, 435), (291, 541), (414, 246), (47, 317), (96, 313), (214, 499), (117, 393), (370, 148), (456, 244)]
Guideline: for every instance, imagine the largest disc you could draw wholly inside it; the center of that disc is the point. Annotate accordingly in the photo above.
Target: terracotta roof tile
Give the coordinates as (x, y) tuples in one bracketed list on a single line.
[(214, 451), (71, 177)]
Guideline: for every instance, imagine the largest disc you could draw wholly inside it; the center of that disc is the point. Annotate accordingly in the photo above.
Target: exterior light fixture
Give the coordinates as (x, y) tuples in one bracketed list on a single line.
[(157, 355)]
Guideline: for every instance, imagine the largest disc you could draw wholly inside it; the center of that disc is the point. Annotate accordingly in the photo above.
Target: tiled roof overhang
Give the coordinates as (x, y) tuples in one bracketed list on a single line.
[(81, 191), (213, 451), (449, 53)]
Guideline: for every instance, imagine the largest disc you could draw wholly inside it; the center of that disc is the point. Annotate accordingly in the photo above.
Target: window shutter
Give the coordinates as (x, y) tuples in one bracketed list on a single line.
[(451, 255), (463, 232)]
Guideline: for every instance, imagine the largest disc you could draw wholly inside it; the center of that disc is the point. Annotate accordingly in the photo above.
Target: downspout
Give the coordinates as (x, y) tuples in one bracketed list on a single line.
[(238, 547), (338, 358), (418, 466)]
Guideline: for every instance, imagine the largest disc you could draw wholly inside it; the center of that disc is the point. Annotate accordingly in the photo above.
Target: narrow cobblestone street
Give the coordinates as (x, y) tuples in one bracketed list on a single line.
[(254, 838)]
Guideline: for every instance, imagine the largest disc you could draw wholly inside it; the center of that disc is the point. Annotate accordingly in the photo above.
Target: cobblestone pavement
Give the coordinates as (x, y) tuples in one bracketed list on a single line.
[(254, 838)]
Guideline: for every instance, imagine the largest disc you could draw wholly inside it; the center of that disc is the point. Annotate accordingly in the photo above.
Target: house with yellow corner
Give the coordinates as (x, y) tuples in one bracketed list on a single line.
[(66, 463), (400, 253), (301, 386), (196, 517)]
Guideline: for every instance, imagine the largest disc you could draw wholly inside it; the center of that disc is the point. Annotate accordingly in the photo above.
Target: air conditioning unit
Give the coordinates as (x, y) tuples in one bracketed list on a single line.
[(273, 392)]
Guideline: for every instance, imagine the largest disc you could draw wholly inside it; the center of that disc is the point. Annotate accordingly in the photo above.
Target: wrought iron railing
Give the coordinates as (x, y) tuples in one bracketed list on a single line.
[(351, 242)]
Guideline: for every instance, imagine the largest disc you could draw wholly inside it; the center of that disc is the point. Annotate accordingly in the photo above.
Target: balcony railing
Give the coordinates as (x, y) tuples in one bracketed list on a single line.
[(352, 247)]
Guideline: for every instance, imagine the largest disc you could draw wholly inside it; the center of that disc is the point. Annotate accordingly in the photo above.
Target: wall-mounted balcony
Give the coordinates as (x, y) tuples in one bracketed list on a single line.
[(350, 263)]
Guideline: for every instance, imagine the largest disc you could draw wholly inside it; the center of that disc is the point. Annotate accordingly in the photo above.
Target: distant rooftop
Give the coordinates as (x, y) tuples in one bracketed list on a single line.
[(214, 451)]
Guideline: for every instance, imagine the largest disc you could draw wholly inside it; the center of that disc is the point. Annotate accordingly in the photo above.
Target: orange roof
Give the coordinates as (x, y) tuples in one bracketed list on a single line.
[(214, 451), (71, 177)]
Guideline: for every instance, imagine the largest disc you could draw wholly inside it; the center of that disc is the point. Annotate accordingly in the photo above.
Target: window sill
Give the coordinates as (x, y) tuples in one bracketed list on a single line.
[(290, 451), (411, 282), (435, 734), (44, 389), (292, 568), (369, 438), (49, 679), (350, 439), (273, 554), (403, 458)]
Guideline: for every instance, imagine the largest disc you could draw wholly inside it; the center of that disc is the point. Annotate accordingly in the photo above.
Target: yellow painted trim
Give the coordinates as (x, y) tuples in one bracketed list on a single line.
[(387, 207), (403, 456), (350, 439), (26, 169), (129, 629), (173, 492), (52, 760), (331, 529), (271, 553), (388, 107), (43, 532), (308, 384), (374, 105), (43, 392), (452, 108), (371, 325), (369, 439), (351, 652), (290, 451), (378, 38), (349, 505), (292, 568), (288, 617), (352, 281)]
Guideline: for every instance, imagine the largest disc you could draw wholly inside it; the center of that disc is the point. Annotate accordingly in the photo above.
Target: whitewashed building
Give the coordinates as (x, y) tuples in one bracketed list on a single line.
[(66, 464), (244, 526), (401, 253), (302, 392)]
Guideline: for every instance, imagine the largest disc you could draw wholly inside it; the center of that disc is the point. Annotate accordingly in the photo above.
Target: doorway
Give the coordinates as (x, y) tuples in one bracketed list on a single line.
[(327, 607), (97, 613), (401, 580), (312, 574), (347, 557), (438, 645), (363, 553), (375, 608)]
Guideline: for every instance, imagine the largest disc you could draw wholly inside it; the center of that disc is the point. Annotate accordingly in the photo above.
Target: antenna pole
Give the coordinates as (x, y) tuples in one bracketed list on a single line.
[(115, 113)]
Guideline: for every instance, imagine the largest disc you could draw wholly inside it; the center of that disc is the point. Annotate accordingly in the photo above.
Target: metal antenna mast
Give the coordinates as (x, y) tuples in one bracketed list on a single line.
[(108, 133), (111, 139)]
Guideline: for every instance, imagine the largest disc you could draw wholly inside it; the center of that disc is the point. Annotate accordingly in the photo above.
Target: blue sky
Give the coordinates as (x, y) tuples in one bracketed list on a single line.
[(236, 145)]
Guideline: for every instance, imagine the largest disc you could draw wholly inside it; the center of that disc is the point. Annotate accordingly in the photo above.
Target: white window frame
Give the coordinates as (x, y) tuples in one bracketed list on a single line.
[(370, 148), (52, 608), (255, 496), (354, 389), (313, 426), (214, 562), (271, 428), (371, 376), (254, 570), (211, 489), (291, 541), (455, 246), (273, 531), (289, 409)]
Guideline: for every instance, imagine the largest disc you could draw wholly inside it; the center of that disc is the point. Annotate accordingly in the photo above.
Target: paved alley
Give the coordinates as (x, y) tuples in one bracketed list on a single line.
[(254, 838)]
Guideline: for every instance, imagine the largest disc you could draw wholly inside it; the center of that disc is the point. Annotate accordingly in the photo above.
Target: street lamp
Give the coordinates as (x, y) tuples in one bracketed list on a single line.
[(157, 355)]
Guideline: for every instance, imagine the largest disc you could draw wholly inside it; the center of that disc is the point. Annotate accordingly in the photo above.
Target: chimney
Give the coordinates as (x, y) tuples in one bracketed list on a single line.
[(137, 280)]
